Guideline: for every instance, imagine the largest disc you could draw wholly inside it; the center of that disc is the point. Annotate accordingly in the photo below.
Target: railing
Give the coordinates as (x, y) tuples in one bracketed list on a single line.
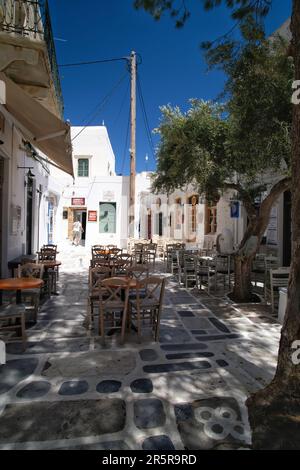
[(31, 19)]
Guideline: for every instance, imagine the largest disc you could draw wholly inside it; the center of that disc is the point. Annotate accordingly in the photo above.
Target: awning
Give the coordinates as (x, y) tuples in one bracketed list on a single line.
[(42, 128)]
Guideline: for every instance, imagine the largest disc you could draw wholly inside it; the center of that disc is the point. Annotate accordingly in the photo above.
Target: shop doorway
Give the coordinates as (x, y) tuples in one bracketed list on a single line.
[(81, 215), (149, 225), (29, 215)]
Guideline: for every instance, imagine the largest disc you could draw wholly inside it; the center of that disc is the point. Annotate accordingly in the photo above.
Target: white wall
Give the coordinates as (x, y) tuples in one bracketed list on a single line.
[(93, 143), (14, 193)]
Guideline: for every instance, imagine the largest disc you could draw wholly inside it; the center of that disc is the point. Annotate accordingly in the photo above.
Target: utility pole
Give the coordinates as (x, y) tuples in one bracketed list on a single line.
[(132, 145)]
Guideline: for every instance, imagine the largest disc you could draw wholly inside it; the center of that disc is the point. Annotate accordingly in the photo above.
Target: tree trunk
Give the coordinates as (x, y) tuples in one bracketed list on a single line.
[(242, 291), (274, 412)]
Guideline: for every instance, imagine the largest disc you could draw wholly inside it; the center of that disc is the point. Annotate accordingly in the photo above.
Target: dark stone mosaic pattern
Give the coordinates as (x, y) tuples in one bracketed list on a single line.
[(109, 386), (149, 413), (148, 355), (75, 387), (184, 347), (50, 346), (173, 334), (14, 371), (188, 355), (158, 443), (185, 313), (219, 325), (142, 386), (175, 367), (222, 363), (73, 419), (34, 390), (217, 337)]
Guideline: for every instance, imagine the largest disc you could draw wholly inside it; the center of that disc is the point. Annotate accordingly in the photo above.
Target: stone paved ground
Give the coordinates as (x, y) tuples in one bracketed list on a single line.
[(185, 392)]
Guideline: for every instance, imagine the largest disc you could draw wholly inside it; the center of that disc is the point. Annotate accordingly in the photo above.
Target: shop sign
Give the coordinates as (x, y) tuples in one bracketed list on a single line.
[(92, 216), (78, 201)]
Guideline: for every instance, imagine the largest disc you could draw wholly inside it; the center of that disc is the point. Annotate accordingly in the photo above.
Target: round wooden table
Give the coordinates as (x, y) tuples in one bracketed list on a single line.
[(20, 283)]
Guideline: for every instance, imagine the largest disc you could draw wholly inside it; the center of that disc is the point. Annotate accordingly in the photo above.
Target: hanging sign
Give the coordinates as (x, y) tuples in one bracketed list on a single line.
[(78, 201), (92, 216)]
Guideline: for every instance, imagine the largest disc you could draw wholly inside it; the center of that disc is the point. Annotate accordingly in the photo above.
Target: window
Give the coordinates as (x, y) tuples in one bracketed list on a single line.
[(83, 167), (108, 217), (210, 219), (178, 214), (193, 201), (160, 224)]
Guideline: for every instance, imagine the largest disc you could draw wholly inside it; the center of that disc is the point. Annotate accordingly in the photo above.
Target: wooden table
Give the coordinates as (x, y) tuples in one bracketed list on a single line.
[(20, 283)]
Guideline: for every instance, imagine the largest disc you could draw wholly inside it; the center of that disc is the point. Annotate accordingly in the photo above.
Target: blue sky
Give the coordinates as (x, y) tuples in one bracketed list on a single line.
[(172, 71)]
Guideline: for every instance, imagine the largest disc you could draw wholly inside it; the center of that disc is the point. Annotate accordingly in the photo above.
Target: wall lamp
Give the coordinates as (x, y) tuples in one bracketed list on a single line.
[(29, 168)]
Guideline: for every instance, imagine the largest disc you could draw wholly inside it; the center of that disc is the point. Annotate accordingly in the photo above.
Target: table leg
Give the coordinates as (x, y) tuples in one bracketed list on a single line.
[(19, 297)]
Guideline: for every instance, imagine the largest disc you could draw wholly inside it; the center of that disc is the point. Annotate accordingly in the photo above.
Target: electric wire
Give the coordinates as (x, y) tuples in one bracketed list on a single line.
[(145, 117), (101, 105), (93, 62), (122, 104)]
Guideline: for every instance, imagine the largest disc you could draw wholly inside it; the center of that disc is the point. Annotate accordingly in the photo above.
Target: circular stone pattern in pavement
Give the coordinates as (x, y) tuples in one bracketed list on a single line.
[(142, 386), (109, 386), (34, 390), (75, 387)]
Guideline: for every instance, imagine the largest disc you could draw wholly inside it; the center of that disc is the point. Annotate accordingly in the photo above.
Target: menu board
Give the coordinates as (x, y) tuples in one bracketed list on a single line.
[(272, 230)]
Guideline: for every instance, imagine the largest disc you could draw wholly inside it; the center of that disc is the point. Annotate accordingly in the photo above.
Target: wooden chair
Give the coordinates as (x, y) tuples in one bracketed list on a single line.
[(189, 270), (96, 276), (121, 263), (32, 270), (148, 303), (278, 278), (204, 271), (12, 320), (113, 305), (139, 271)]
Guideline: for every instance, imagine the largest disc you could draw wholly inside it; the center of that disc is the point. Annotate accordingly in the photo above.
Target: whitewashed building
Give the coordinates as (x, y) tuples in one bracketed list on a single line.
[(96, 196), (32, 132)]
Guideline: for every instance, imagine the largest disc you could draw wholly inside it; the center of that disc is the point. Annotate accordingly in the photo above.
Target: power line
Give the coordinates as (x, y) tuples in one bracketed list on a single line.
[(122, 104), (145, 117), (101, 105), (93, 62)]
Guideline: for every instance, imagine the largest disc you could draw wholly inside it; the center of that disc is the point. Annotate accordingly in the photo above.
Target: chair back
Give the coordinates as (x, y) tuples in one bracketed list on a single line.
[(271, 262), (139, 271), (279, 277), (121, 263), (152, 288), (98, 274), (31, 270), (46, 254), (113, 291)]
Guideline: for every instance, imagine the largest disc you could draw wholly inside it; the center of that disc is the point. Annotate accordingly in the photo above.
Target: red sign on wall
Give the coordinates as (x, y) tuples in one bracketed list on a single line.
[(92, 216), (78, 201)]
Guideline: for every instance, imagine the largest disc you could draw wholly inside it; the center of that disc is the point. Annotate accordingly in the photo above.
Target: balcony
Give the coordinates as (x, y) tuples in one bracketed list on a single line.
[(28, 52)]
